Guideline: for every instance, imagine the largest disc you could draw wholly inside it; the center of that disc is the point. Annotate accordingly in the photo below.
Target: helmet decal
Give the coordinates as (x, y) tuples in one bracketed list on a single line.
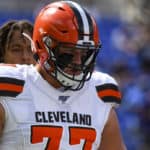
[(84, 21)]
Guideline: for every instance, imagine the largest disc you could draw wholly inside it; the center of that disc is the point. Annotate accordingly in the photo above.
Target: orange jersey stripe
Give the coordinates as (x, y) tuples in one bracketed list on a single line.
[(109, 92), (10, 87)]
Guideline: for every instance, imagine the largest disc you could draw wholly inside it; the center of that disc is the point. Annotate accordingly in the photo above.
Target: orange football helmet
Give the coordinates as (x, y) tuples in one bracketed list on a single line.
[(66, 25)]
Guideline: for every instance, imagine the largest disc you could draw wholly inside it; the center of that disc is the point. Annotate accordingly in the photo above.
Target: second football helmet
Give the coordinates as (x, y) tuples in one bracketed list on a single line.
[(62, 28)]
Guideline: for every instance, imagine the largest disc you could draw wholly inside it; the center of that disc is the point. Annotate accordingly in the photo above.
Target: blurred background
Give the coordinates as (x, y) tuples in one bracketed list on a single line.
[(125, 34)]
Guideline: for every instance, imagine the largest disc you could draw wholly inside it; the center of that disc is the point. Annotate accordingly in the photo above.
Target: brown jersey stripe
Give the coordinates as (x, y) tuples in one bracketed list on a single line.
[(10, 87), (111, 99), (11, 81), (107, 86), (9, 93)]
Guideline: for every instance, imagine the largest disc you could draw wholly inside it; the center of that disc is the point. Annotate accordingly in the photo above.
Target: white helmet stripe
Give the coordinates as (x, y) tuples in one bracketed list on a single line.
[(83, 21)]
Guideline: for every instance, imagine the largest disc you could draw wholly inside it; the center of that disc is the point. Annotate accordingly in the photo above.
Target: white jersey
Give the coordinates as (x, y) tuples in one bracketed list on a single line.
[(39, 117)]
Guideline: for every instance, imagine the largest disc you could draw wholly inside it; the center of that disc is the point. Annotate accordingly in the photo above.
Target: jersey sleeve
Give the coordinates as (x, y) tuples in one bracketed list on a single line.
[(107, 89), (11, 81)]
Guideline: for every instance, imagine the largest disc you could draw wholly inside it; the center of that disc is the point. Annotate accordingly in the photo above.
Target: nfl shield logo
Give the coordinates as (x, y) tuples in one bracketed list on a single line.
[(63, 99)]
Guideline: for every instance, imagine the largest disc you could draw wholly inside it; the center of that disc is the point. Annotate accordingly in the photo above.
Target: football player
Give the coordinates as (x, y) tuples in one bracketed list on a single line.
[(58, 104), (15, 48)]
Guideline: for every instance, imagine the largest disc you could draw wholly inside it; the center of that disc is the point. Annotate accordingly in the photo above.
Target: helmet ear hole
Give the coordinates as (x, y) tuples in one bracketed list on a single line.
[(47, 41)]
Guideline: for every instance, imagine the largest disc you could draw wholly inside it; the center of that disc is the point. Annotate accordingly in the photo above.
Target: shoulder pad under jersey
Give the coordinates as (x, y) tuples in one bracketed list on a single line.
[(107, 88)]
